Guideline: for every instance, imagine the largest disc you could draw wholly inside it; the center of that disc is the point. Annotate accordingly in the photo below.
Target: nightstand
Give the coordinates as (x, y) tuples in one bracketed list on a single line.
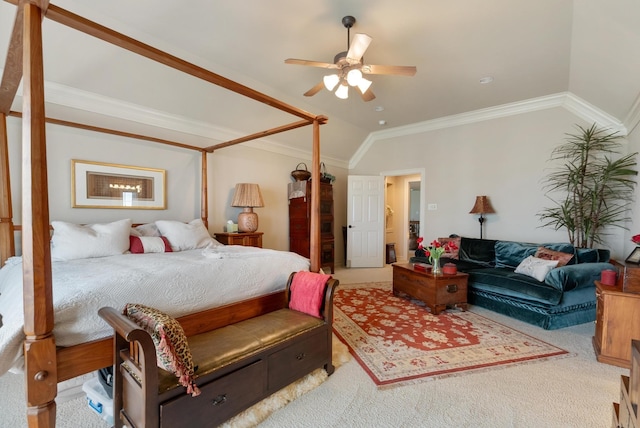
[(248, 239)]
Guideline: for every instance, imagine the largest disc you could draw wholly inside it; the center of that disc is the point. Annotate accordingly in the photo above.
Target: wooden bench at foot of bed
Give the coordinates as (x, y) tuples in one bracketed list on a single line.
[(238, 366), (86, 357)]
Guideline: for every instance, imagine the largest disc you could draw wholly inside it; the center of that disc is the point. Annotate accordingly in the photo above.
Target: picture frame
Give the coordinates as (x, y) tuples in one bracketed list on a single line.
[(106, 185), (634, 257)]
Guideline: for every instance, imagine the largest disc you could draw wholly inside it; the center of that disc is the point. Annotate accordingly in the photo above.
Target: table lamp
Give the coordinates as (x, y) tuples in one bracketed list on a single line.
[(247, 196)]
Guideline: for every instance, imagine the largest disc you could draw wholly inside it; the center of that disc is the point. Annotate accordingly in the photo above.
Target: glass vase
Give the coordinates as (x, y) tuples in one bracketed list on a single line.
[(435, 266)]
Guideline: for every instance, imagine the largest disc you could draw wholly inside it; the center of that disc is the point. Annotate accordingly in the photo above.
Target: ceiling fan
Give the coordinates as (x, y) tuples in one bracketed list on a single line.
[(351, 67)]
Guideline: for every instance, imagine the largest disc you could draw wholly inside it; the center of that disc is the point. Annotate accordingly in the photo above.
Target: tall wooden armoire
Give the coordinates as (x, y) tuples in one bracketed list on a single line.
[(300, 225)]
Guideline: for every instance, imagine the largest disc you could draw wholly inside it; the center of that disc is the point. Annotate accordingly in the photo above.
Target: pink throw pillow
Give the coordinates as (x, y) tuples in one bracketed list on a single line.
[(149, 244)]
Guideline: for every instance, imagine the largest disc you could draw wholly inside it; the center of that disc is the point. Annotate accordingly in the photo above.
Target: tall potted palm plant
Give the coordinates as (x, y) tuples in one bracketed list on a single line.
[(593, 188)]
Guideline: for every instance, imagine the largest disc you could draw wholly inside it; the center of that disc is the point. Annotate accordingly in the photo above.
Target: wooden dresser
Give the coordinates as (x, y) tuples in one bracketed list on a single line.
[(618, 316), (300, 225), (248, 239)]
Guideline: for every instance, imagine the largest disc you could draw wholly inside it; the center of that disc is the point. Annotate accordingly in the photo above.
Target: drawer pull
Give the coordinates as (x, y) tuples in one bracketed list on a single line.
[(452, 288), (219, 399), (300, 356)]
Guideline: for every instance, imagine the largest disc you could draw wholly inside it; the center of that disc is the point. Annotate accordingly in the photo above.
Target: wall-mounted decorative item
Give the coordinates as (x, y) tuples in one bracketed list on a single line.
[(104, 185)]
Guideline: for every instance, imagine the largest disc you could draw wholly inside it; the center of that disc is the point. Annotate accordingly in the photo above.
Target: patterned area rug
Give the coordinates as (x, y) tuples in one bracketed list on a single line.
[(398, 341)]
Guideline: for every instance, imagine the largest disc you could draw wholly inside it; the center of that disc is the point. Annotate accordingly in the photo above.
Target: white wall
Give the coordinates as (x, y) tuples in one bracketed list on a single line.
[(634, 224), (505, 159), (226, 167)]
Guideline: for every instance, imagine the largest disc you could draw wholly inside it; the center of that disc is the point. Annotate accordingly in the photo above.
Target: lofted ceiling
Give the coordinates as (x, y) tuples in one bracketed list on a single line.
[(590, 48)]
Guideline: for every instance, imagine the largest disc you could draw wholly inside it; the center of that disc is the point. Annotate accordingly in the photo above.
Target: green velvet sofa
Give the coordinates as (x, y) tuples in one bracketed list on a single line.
[(566, 296)]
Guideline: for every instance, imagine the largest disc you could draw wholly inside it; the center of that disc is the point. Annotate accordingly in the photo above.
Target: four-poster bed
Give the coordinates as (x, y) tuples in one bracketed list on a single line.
[(45, 364)]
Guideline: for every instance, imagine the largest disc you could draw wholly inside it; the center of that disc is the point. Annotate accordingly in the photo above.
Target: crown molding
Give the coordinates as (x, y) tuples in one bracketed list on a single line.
[(567, 100), (66, 96), (99, 104), (633, 117), (56, 93), (592, 114)]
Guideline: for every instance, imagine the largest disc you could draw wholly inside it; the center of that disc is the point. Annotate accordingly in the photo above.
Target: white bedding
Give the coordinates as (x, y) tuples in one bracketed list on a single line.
[(177, 283)]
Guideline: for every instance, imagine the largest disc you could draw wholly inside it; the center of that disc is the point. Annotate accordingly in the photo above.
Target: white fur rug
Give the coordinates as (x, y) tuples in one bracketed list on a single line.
[(260, 411)]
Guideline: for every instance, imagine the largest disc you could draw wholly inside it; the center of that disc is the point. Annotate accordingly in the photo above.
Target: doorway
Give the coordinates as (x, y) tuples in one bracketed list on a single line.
[(378, 211), (414, 215), (403, 210)]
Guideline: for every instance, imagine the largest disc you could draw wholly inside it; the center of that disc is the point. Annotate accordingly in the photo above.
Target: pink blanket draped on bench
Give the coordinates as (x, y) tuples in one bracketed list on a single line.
[(307, 291)]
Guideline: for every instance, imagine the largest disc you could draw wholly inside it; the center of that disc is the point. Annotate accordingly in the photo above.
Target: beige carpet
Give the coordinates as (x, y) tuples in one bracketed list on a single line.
[(572, 392), (75, 413)]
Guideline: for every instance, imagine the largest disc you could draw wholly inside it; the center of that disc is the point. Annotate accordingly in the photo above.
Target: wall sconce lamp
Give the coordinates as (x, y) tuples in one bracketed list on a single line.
[(482, 206), (248, 197)]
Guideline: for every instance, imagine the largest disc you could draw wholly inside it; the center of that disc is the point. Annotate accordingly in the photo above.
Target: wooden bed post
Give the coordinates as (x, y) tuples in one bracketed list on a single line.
[(315, 199), (204, 201), (39, 346), (7, 239)]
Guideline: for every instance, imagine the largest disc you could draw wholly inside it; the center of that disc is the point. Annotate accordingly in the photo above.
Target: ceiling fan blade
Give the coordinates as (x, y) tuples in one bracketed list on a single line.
[(358, 46), (400, 70), (368, 95), (311, 92), (309, 63)]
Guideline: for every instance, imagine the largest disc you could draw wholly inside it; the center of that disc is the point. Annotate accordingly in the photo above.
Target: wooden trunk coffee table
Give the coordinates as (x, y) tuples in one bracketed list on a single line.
[(437, 292)]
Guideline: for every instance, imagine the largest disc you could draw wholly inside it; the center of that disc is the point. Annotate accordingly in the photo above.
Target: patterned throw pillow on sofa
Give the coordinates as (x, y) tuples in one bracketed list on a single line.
[(172, 349), (547, 254), (456, 241)]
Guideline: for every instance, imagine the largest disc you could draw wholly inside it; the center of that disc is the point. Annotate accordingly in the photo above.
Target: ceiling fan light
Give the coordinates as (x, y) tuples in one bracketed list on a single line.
[(354, 76), (342, 92), (363, 85), (331, 81)]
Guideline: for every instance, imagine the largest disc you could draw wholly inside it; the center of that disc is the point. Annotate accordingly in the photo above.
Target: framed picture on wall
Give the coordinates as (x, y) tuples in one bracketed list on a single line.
[(104, 185), (634, 257)]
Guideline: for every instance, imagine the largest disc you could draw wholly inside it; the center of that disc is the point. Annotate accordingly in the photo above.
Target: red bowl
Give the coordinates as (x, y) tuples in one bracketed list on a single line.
[(449, 269)]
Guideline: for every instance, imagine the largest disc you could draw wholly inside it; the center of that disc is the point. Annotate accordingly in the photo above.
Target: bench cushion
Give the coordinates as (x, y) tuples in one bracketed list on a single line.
[(226, 345)]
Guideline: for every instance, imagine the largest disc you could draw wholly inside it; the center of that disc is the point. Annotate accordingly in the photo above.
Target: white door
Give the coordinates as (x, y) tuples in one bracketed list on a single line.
[(365, 221)]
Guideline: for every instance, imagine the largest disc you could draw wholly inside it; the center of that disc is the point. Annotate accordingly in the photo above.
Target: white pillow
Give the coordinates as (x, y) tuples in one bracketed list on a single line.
[(536, 268), (186, 236), (74, 241), (148, 229)]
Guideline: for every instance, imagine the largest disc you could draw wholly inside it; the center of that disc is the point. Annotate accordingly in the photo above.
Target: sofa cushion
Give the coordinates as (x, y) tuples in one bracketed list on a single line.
[(587, 255), (582, 275), (592, 255), (603, 255), (477, 251), (511, 253), (506, 282)]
